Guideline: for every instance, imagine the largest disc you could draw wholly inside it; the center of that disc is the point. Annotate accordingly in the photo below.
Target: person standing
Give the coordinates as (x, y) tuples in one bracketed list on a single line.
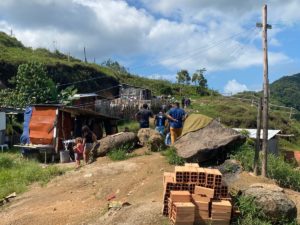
[(143, 116), (89, 138), (176, 116), (159, 121)]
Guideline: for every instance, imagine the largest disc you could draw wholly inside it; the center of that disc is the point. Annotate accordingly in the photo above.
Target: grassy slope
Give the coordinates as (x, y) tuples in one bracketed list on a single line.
[(17, 173), (235, 113)]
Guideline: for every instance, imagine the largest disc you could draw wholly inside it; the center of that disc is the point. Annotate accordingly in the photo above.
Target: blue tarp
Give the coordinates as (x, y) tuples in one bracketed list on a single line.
[(24, 139)]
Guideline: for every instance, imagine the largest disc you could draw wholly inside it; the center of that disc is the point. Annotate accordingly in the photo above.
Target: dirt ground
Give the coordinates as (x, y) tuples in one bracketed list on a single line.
[(80, 197)]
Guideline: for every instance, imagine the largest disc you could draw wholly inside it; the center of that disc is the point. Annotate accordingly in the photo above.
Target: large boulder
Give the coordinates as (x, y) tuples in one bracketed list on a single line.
[(110, 142), (273, 201), (207, 143), (151, 138)]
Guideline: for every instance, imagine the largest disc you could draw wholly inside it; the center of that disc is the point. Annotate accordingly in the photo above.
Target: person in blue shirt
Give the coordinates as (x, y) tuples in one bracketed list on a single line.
[(159, 121), (176, 117)]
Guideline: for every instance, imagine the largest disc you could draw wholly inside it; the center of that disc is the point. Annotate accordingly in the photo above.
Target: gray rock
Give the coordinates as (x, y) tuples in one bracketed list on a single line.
[(273, 201), (151, 138)]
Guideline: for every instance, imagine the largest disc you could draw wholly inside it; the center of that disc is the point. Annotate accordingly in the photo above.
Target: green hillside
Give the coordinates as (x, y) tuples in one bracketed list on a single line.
[(287, 90), (63, 69), (242, 114)]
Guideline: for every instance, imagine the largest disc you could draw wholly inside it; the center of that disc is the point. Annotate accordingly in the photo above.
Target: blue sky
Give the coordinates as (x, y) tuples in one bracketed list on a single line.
[(158, 38)]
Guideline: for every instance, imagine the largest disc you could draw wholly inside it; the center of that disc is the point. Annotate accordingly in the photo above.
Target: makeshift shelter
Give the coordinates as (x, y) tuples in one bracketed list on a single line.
[(272, 138), (205, 139), (48, 126)]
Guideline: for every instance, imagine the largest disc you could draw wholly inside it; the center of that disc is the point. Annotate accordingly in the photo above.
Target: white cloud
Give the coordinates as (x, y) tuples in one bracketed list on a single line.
[(233, 87), (174, 34)]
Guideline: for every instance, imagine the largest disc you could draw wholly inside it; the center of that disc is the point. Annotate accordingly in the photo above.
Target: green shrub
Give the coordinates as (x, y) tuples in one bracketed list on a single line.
[(252, 214), (121, 153), (172, 157), (17, 173), (282, 172)]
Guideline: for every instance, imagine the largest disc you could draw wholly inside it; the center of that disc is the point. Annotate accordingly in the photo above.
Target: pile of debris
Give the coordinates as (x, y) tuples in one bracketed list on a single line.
[(196, 195)]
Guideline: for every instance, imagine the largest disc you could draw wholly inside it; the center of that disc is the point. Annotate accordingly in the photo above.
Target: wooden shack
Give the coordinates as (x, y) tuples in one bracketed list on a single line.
[(50, 125)]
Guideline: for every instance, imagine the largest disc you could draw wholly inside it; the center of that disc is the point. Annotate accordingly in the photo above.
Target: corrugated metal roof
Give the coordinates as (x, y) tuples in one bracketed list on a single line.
[(252, 132), (85, 95)]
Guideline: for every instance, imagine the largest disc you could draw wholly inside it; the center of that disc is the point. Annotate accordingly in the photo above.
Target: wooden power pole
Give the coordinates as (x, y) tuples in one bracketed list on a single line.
[(265, 114), (257, 144), (85, 60)]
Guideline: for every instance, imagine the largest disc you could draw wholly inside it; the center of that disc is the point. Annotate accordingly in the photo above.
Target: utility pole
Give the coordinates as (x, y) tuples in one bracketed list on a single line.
[(85, 60), (257, 144), (265, 114)]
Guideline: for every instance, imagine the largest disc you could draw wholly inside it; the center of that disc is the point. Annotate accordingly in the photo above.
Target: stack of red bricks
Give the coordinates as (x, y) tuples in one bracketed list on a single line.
[(195, 195)]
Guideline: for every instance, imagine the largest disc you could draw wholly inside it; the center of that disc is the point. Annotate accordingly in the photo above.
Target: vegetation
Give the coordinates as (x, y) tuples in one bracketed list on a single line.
[(183, 76), (287, 90), (131, 125), (251, 214), (282, 172), (121, 153), (17, 173), (172, 157), (236, 113), (33, 86)]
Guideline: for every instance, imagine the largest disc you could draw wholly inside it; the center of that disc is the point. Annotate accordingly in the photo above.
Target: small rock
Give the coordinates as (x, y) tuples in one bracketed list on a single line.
[(88, 175), (54, 209)]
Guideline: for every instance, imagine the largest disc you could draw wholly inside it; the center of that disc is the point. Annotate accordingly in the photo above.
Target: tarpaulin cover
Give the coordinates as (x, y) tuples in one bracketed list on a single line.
[(42, 125), (24, 139), (195, 122)]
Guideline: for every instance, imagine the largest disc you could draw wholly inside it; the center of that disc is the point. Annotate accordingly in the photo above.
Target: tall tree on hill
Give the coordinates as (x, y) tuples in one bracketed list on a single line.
[(198, 78), (183, 76), (33, 86)]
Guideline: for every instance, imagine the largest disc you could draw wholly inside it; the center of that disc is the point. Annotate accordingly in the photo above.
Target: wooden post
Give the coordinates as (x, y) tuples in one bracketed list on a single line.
[(291, 113), (265, 115), (85, 60), (257, 144)]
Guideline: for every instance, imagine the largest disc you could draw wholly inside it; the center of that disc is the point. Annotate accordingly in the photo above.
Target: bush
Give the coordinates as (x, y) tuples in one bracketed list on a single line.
[(282, 172), (172, 157), (121, 153), (251, 214), (17, 173)]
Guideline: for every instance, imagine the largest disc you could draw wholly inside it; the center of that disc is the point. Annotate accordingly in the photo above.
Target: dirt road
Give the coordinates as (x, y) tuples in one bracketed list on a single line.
[(80, 197)]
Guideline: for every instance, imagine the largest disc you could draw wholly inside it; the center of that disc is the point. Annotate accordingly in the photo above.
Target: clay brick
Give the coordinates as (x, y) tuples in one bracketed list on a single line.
[(183, 212), (192, 188), (201, 199), (193, 174), (210, 176), (217, 193), (219, 222), (208, 192), (201, 176), (168, 177), (179, 170), (196, 165), (180, 196)]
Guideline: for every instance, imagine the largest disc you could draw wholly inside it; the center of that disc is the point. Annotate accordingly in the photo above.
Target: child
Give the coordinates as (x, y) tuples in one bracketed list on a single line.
[(78, 149), (159, 121)]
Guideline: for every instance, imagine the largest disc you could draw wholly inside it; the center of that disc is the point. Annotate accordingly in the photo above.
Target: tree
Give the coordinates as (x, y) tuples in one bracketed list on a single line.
[(33, 85), (66, 95), (198, 78), (114, 65), (183, 77)]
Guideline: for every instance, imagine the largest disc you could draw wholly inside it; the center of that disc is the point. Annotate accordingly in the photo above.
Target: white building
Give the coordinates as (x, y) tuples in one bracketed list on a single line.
[(272, 138)]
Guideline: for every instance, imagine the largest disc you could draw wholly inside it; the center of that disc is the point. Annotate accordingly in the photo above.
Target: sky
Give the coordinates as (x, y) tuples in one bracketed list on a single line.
[(157, 39)]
